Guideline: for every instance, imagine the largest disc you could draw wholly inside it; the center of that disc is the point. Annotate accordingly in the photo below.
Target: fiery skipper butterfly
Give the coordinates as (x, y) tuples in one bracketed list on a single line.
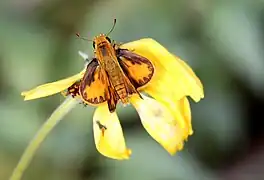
[(113, 74)]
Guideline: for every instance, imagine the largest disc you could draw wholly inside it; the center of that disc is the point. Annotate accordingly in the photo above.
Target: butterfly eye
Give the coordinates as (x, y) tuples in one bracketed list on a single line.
[(108, 39), (93, 44)]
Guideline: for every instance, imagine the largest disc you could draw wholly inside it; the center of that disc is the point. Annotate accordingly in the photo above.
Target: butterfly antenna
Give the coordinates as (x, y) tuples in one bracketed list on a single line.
[(112, 27), (83, 38)]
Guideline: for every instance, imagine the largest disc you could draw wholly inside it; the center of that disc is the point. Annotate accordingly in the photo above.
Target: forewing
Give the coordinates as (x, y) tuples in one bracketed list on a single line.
[(137, 68), (95, 88)]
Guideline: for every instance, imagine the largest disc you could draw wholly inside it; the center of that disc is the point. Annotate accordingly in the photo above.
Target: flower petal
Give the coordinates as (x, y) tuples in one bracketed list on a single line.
[(170, 71), (160, 123), (108, 134), (51, 88), (179, 108)]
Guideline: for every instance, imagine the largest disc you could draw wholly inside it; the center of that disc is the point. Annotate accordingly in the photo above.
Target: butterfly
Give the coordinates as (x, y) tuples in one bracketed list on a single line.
[(113, 74)]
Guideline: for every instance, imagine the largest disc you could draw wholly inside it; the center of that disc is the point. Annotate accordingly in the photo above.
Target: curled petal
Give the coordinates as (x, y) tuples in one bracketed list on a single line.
[(51, 88), (179, 108), (172, 76), (182, 114), (108, 134), (160, 123), (185, 111)]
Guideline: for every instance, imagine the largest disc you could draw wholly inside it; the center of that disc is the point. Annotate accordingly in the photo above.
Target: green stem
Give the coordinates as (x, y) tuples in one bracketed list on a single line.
[(31, 149)]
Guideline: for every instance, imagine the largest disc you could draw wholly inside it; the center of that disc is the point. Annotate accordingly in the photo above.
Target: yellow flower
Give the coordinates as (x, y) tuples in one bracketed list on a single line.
[(165, 115)]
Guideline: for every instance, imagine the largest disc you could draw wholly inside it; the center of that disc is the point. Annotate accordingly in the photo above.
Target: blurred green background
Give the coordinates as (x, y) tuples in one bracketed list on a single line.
[(223, 42)]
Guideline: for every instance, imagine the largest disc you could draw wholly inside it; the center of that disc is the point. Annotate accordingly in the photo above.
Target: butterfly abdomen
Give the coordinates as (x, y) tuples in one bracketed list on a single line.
[(119, 85), (122, 93)]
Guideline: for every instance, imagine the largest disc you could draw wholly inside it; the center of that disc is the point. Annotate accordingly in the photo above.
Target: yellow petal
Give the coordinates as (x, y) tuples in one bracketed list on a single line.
[(181, 112), (179, 108), (108, 134), (51, 88), (160, 123), (185, 109), (172, 76)]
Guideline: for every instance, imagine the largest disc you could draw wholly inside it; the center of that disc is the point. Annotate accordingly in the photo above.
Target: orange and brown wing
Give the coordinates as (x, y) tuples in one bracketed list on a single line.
[(95, 88), (137, 68)]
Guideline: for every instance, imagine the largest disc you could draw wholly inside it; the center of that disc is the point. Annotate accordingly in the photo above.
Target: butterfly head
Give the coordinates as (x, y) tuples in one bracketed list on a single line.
[(100, 40)]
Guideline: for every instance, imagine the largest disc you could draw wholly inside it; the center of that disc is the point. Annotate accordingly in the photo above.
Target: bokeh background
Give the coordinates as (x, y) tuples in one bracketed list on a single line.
[(222, 41)]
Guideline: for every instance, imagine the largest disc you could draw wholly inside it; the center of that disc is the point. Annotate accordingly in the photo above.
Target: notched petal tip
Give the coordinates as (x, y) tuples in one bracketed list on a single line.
[(129, 153), (125, 156), (24, 93)]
